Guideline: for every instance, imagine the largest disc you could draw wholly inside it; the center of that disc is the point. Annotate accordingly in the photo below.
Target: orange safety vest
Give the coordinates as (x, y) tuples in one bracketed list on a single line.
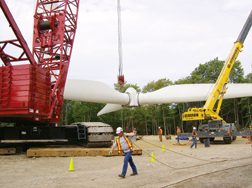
[(178, 131), (229, 133), (119, 147), (160, 131)]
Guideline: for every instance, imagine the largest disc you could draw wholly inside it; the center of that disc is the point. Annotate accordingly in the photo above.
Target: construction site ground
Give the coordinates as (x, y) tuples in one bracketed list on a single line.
[(220, 165)]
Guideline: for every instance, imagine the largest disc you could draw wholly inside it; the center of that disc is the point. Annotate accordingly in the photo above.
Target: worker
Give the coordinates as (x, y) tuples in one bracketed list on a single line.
[(178, 131), (160, 133), (135, 131), (194, 138), (124, 146)]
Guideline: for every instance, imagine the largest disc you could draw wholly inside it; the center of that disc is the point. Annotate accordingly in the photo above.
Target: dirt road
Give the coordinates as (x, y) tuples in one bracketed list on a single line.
[(219, 165)]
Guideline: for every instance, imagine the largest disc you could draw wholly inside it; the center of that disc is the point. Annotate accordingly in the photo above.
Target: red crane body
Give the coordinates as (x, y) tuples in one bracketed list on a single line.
[(31, 95), (34, 92)]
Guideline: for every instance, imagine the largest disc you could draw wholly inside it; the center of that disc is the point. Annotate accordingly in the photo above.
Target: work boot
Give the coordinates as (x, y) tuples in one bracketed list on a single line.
[(121, 175), (133, 174)]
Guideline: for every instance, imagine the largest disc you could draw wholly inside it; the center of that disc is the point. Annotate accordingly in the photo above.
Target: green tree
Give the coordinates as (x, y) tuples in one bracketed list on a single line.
[(186, 80), (153, 86), (126, 86), (249, 78), (210, 71), (66, 114)]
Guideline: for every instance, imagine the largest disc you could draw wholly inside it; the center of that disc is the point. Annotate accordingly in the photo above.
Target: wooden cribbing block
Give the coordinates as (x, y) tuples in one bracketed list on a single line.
[(7, 151), (72, 152)]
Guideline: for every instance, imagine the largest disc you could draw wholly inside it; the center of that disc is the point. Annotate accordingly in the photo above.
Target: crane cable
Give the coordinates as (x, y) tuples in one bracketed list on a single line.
[(198, 165), (176, 168), (120, 76), (119, 37)]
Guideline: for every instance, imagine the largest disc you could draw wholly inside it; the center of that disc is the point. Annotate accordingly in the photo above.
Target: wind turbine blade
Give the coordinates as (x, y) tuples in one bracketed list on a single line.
[(191, 93), (177, 94), (238, 90), (93, 91), (109, 108)]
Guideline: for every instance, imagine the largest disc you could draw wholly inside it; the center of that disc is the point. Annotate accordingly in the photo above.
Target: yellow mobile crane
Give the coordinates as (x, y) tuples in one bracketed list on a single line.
[(208, 112)]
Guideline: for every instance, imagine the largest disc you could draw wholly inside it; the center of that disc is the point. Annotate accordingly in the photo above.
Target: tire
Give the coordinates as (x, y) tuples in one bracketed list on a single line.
[(234, 137), (201, 140), (227, 140)]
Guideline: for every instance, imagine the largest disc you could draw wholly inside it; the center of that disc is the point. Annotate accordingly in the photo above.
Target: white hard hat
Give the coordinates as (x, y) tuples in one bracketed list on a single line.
[(118, 130), (194, 128), (159, 127)]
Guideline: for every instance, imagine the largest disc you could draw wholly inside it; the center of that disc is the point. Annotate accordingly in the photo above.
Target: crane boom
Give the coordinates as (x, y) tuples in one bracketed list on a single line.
[(219, 89), (19, 43), (55, 24)]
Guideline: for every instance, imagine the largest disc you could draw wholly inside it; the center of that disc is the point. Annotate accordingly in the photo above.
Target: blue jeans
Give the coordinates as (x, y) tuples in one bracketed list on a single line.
[(194, 142), (129, 159)]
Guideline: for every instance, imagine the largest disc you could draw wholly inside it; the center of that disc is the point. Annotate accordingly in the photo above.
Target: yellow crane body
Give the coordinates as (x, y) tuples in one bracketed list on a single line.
[(207, 112)]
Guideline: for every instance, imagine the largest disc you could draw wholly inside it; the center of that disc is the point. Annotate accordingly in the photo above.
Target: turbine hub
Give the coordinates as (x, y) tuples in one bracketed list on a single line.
[(133, 97)]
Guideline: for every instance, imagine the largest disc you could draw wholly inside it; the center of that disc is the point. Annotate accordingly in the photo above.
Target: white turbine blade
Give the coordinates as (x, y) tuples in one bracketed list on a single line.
[(238, 90), (93, 91), (177, 94), (192, 93), (109, 108)]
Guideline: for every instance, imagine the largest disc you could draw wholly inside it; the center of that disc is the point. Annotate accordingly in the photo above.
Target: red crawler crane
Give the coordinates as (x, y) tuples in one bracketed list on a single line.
[(31, 95), (34, 92)]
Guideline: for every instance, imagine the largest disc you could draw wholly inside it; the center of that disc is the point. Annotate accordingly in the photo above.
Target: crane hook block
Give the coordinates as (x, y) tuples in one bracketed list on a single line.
[(121, 79)]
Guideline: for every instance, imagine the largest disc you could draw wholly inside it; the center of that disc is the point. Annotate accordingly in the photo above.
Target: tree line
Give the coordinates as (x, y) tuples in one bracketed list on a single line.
[(146, 119)]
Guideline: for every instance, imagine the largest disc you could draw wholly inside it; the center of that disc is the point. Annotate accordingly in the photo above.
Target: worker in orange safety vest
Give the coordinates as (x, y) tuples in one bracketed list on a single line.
[(135, 131), (160, 133), (194, 138), (178, 131), (124, 146)]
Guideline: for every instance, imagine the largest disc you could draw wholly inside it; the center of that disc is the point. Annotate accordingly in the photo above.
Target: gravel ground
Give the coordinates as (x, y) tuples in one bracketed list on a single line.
[(220, 165)]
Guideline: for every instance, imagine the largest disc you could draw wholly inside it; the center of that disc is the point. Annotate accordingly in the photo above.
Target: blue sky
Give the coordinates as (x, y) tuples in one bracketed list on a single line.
[(160, 39)]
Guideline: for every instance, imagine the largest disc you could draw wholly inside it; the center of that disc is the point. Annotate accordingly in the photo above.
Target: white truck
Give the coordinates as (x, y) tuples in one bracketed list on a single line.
[(216, 128)]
